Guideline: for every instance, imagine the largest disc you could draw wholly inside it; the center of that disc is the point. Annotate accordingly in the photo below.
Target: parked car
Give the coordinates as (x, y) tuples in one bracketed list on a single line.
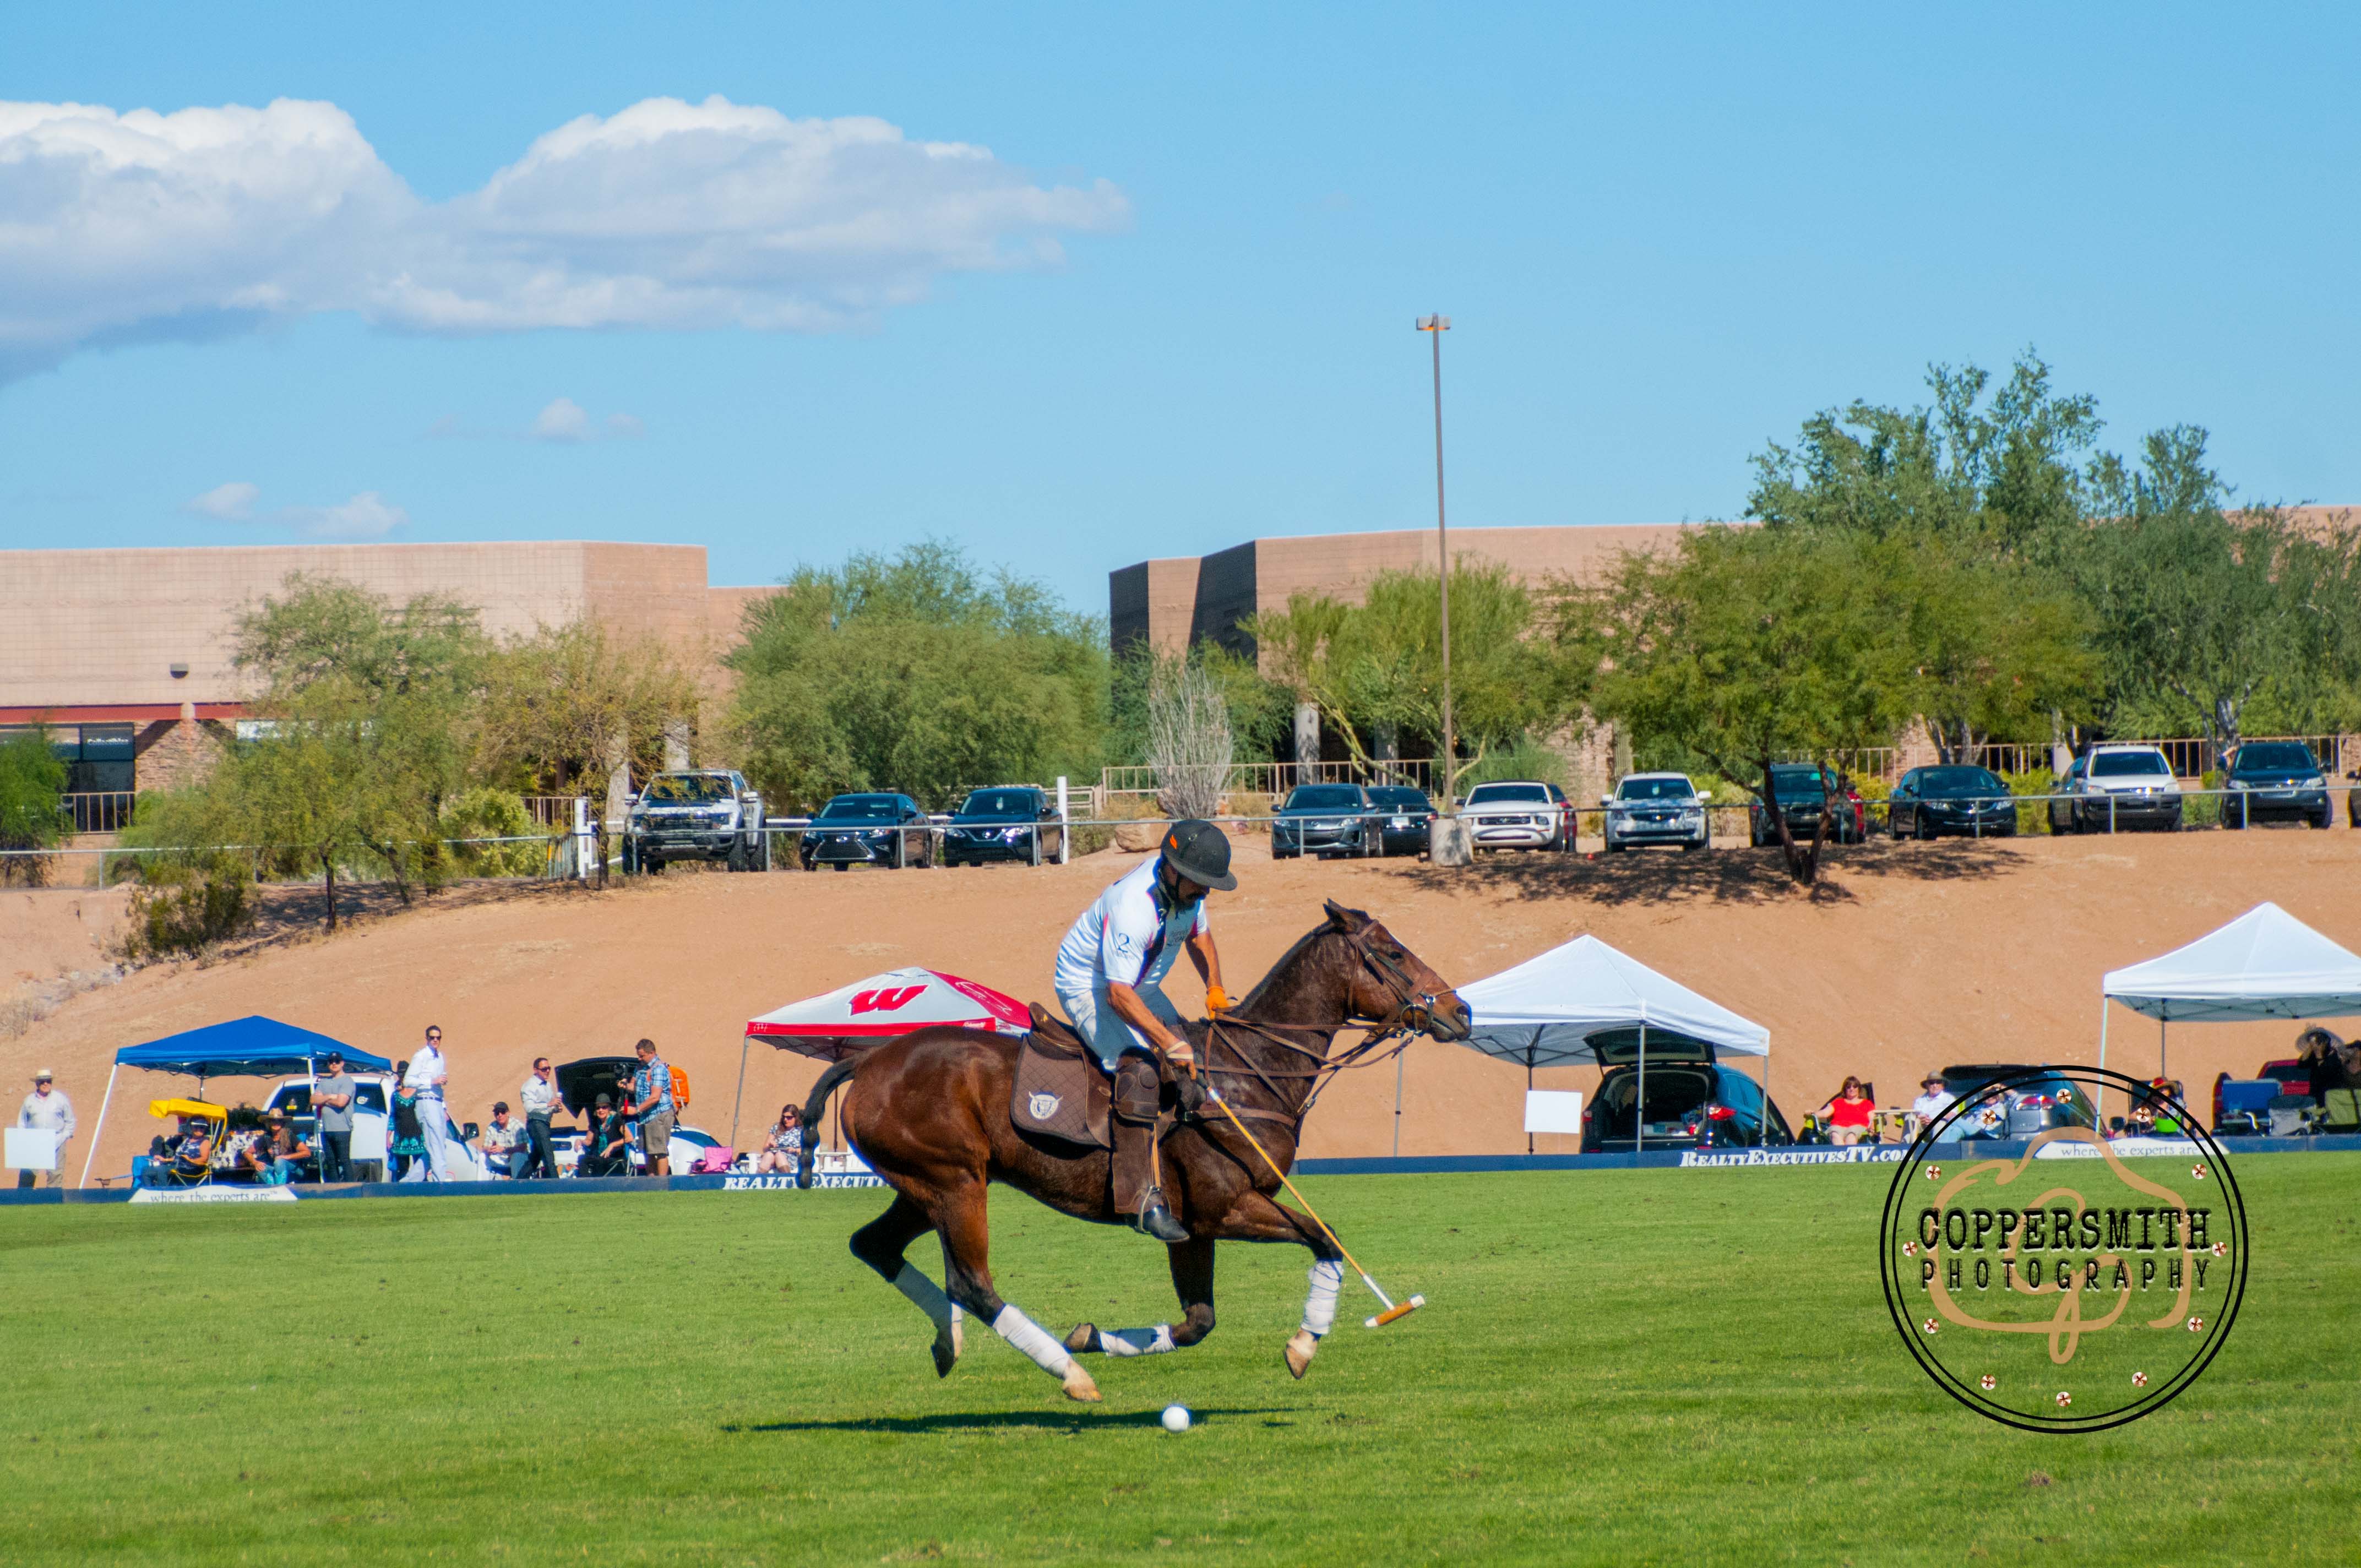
[(579, 1084), (2020, 1110), (1519, 813), (1326, 820), (1655, 808), (869, 830), (1803, 791), (2118, 787), (1692, 1100), (2276, 780), (1407, 827), (1929, 802), (708, 814), (1012, 822)]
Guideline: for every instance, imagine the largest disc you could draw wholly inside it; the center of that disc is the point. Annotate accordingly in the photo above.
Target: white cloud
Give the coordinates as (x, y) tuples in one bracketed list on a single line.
[(117, 228), (365, 516), (233, 502), (563, 419), (625, 427)]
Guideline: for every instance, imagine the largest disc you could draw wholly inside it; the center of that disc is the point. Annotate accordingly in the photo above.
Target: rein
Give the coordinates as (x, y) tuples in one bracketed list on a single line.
[(1415, 1011)]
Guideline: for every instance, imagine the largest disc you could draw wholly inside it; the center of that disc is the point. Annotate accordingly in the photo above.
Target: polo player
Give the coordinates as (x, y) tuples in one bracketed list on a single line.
[(1110, 980)]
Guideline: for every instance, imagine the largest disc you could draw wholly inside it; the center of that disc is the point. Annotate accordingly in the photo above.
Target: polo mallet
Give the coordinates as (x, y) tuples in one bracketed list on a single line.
[(1393, 1310)]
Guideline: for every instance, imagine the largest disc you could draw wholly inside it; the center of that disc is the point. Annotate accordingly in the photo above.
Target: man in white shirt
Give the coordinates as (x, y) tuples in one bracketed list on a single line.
[(1110, 982), (1932, 1102), (48, 1107), (428, 1074), (539, 1096)]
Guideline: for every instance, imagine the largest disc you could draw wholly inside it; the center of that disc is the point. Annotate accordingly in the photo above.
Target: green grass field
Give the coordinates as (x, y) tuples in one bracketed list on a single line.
[(1640, 1366)]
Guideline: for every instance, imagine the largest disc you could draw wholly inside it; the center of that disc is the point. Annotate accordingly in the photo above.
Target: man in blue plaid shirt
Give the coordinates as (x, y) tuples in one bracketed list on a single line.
[(651, 1103)]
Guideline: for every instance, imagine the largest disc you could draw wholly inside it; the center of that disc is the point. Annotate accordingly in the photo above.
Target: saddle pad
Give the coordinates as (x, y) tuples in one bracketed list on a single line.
[(1061, 1090)]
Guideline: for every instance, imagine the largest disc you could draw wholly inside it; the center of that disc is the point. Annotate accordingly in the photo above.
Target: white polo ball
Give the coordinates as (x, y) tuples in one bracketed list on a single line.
[(1176, 1418)]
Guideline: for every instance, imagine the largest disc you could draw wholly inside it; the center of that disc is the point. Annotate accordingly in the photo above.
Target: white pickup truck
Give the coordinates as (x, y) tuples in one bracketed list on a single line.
[(706, 814)]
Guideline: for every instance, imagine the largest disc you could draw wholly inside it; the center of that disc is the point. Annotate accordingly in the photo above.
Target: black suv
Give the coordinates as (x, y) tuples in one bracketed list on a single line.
[(1409, 818), (869, 830), (1693, 1101), (2275, 779), (1323, 819), (1010, 823), (1799, 790)]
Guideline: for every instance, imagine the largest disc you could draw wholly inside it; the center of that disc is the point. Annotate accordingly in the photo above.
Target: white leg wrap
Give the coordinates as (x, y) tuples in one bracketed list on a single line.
[(1026, 1335), (928, 1296), (1320, 1306), (1137, 1342)]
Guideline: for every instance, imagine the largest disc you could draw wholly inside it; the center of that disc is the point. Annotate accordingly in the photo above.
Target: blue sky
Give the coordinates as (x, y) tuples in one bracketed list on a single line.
[(1665, 235)]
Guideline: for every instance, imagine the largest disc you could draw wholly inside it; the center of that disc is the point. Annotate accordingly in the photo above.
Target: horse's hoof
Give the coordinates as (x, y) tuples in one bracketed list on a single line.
[(1085, 1339), (1299, 1353), (946, 1352), (1079, 1385)]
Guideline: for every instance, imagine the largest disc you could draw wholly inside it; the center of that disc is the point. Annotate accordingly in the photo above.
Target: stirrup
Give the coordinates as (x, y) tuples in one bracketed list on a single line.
[(1156, 1219)]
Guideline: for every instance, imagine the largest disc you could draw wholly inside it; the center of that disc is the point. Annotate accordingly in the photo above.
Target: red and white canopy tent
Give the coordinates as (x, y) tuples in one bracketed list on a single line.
[(851, 1018)]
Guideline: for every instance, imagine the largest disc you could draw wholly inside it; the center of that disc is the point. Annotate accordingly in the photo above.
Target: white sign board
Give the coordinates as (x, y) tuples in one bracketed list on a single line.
[(1553, 1111), (368, 1136), (32, 1148)]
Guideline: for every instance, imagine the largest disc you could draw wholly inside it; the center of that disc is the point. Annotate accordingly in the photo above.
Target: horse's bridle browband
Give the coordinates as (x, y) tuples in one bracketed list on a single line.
[(1413, 1013)]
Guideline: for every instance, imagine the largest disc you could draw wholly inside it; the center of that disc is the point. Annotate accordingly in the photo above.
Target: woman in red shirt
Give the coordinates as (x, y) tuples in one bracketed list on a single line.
[(1850, 1114)]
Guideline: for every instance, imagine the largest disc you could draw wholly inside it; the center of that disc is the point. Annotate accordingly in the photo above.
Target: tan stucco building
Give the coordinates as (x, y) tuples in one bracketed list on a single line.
[(126, 653), (1174, 602)]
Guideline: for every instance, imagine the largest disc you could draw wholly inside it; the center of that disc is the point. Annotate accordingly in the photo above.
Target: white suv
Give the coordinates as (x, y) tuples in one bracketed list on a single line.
[(1519, 813), (1656, 808), (2118, 787)]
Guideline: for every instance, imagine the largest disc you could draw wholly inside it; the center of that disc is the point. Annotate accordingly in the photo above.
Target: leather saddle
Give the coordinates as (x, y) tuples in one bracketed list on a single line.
[(1062, 1090)]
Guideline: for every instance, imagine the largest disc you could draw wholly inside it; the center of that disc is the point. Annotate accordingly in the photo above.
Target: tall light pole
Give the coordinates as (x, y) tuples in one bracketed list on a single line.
[(1438, 325)]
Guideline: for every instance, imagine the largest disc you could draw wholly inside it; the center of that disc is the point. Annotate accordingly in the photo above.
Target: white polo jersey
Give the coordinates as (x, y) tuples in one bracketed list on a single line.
[(1128, 937)]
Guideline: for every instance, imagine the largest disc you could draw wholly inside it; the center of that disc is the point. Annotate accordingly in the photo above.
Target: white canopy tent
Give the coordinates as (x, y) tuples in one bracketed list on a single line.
[(1547, 1011), (2265, 964)]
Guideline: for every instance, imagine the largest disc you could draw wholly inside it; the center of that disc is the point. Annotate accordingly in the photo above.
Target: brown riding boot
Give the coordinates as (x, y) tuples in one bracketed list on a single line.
[(1138, 1199)]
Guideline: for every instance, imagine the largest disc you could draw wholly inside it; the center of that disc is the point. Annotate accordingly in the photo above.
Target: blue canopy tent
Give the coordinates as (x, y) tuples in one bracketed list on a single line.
[(252, 1047)]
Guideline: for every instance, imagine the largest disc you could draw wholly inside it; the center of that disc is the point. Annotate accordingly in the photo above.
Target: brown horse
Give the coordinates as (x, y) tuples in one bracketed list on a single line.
[(929, 1113)]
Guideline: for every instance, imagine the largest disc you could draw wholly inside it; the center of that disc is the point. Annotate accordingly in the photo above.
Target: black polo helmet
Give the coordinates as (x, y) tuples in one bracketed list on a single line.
[(1199, 852)]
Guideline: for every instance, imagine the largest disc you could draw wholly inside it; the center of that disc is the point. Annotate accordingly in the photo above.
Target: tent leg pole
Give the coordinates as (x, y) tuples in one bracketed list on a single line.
[(1397, 1098), (100, 1131), (1529, 1094), (2161, 1070), (1640, 1106), (2102, 1128), (739, 1103)]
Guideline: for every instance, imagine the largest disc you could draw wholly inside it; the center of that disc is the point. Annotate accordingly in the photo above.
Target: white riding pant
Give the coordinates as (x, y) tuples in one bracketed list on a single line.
[(1094, 1018)]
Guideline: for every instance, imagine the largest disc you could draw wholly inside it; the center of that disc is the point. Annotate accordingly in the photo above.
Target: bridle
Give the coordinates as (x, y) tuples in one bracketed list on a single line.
[(1413, 1013)]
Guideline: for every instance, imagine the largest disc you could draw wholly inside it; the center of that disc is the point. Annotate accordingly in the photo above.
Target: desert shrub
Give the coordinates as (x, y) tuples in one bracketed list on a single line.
[(31, 780), (1525, 758), (180, 908), (2032, 816), (493, 813)]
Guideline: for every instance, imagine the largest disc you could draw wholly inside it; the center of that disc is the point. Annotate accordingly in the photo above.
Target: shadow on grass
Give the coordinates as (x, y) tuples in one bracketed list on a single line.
[(993, 1420), (1719, 876)]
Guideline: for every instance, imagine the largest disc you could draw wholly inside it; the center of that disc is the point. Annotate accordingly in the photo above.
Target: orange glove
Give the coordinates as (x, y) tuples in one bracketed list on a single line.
[(1216, 1000)]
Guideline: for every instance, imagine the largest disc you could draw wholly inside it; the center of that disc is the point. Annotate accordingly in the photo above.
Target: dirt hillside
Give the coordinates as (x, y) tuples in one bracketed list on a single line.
[(1911, 956)]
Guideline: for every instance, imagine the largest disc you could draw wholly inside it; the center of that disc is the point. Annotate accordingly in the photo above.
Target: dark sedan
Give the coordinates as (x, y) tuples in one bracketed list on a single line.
[(1324, 820), (2276, 780), (1803, 792), (1694, 1102), (1972, 802), (1014, 823), (869, 830), (1408, 820)]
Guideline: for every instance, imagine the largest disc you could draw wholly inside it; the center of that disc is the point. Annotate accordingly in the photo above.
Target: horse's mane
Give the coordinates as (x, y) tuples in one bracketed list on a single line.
[(1287, 962)]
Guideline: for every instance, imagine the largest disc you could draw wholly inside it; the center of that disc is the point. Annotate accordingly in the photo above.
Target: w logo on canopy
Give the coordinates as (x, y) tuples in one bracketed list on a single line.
[(891, 999)]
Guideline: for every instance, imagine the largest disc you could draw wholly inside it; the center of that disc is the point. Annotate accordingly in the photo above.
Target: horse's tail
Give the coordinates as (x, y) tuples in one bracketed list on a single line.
[(814, 1109)]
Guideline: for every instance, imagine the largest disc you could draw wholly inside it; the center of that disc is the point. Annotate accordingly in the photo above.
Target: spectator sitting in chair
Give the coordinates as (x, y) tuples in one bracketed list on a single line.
[(191, 1154), (503, 1144), (606, 1142), (1850, 1114), (278, 1151), (784, 1147)]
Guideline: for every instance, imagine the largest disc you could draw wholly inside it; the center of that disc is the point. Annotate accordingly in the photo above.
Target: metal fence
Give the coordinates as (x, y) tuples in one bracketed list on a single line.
[(1277, 778)]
